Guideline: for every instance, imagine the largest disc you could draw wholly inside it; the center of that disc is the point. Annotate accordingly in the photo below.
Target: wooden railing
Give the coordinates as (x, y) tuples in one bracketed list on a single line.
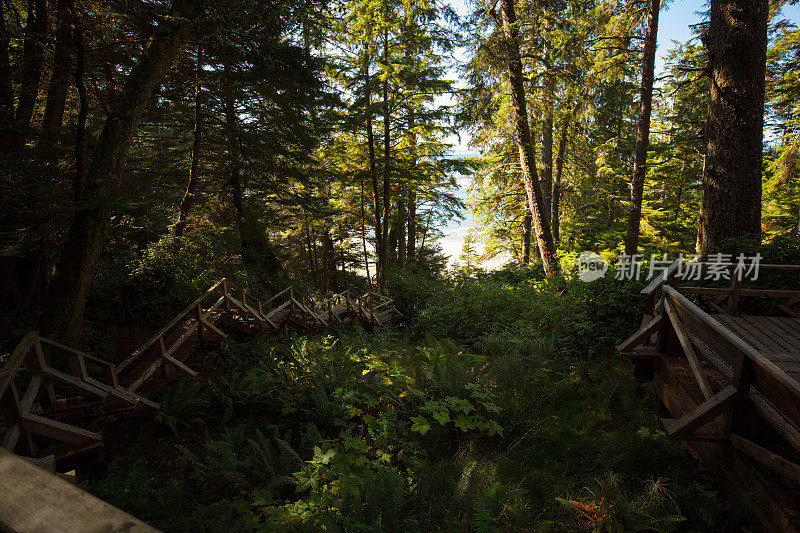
[(25, 411), (199, 323), (730, 297), (673, 323), (51, 392), (755, 382), (34, 500)]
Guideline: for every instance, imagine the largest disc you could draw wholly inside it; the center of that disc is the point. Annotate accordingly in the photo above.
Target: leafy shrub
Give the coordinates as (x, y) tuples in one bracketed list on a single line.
[(128, 487), (412, 290), (183, 405), (167, 276), (243, 458)]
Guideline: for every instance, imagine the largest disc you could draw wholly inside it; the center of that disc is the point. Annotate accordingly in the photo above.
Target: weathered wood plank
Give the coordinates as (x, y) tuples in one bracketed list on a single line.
[(779, 336), (73, 383), (58, 430), (766, 457), (638, 337), (681, 428), (34, 500), (768, 507), (742, 329), (17, 356)]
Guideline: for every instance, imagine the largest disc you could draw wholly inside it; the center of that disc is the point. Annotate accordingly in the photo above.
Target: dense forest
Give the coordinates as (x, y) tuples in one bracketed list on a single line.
[(150, 148)]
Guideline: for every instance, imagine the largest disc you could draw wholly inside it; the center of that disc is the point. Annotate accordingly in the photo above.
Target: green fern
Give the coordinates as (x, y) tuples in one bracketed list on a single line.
[(182, 405), (485, 521)]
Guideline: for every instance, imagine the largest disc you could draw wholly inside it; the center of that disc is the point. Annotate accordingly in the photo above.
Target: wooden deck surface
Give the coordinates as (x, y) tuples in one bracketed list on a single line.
[(730, 382), (777, 338)]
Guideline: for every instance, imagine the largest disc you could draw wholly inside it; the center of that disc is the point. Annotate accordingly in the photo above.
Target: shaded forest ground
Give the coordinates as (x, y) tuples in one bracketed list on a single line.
[(501, 406)]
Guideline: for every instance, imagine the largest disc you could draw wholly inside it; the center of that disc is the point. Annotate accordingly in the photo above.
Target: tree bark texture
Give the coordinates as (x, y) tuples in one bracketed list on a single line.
[(87, 232), (191, 187), (527, 155), (642, 129), (730, 205), (562, 147), (59, 78)]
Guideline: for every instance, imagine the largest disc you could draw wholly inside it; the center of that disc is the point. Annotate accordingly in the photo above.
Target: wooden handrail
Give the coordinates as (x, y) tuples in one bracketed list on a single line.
[(277, 295), (245, 293), (650, 292), (34, 500), (12, 365), (83, 355), (764, 293), (152, 340), (734, 340), (771, 381), (659, 280)]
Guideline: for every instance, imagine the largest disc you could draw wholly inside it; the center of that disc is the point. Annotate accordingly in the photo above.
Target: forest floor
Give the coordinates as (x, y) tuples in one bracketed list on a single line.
[(506, 409)]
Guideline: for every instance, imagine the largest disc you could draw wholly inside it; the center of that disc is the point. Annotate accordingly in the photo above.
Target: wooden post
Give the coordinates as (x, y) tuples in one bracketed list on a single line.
[(667, 337), (260, 311), (742, 380), (198, 315), (38, 364), (78, 366), (166, 369), (736, 287), (10, 406), (243, 297), (225, 295)]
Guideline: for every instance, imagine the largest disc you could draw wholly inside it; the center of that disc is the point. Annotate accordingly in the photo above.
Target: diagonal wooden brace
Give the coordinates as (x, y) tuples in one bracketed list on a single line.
[(640, 336), (682, 428)]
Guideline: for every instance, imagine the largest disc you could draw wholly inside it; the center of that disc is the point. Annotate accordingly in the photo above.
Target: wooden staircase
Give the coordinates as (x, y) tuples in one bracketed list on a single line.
[(47, 409), (57, 411)]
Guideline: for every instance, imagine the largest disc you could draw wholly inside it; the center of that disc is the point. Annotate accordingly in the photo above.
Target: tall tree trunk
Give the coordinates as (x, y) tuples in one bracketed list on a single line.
[(411, 233), (83, 110), (387, 186), (679, 193), (547, 135), (312, 266), (364, 235), (562, 146), (527, 153), (59, 79), (329, 261), (87, 232), (32, 60), (7, 136), (411, 245), (376, 196), (191, 188), (642, 129), (401, 232), (526, 238), (249, 259), (730, 206)]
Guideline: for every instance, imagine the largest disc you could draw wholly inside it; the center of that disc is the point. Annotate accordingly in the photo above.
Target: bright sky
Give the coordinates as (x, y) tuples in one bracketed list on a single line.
[(674, 25)]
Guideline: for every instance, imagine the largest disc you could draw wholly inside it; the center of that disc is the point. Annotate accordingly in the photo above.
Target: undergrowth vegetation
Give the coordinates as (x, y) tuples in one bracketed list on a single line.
[(502, 406)]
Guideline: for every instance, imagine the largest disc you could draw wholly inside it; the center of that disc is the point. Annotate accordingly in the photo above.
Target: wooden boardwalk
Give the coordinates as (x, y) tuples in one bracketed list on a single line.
[(731, 381), (56, 401)]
